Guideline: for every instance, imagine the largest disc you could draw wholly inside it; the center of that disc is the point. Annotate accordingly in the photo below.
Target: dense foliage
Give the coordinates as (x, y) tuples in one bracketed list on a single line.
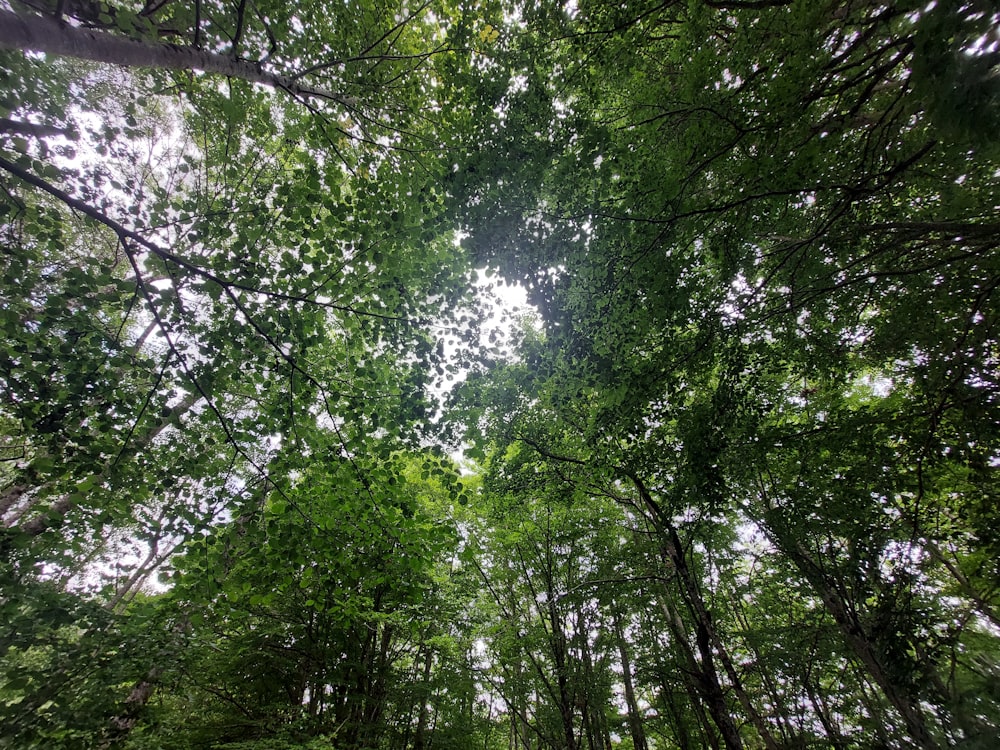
[(276, 471)]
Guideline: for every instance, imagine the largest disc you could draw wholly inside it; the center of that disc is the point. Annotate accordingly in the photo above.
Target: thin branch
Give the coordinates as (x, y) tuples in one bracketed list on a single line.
[(240, 22)]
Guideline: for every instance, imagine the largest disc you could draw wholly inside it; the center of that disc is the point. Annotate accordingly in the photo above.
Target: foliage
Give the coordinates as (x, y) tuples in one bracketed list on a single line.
[(267, 480)]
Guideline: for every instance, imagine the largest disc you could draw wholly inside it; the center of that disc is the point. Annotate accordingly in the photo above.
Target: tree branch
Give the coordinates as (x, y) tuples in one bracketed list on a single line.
[(126, 234), (45, 34)]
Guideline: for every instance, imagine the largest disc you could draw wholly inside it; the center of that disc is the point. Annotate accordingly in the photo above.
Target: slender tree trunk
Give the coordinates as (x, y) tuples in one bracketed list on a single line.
[(875, 705), (558, 645), (560, 657), (581, 693), (125, 721), (825, 718), (704, 679), (713, 645), (591, 704), (517, 708), (31, 129), (634, 717), (379, 691), (10, 497), (154, 559), (419, 739), (680, 725), (523, 726), (859, 641), (56, 511), (787, 726), (982, 606), (708, 682)]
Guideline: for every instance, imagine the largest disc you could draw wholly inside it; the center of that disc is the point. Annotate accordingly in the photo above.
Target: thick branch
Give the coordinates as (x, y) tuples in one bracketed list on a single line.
[(31, 129), (45, 34)]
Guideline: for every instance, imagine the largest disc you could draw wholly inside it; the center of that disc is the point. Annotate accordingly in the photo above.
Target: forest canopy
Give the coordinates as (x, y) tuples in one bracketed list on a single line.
[(280, 469)]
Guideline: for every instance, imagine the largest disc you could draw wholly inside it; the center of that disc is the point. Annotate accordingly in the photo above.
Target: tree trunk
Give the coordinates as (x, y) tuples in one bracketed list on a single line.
[(125, 721), (591, 705), (703, 680), (634, 717), (859, 641), (825, 716), (710, 644), (419, 739), (560, 657), (680, 726), (708, 684), (31, 129), (54, 513)]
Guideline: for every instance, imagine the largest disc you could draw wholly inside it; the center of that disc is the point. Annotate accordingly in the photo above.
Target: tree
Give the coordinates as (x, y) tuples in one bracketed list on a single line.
[(204, 286), (294, 642)]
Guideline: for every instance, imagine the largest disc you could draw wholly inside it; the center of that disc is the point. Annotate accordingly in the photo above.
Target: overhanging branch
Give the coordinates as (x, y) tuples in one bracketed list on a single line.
[(46, 34)]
